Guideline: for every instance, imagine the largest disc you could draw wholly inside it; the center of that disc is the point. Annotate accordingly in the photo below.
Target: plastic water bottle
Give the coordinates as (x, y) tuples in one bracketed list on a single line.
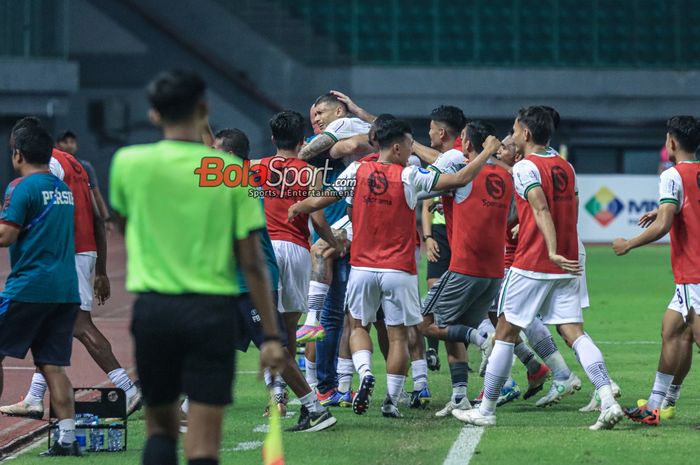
[(115, 438), (81, 433), (97, 436)]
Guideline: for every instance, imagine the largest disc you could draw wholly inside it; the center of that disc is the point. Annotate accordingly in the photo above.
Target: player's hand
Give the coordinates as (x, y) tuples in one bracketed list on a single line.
[(432, 249), (293, 211), (352, 106), (648, 218), (272, 357), (102, 288), (492, 144), (515, 231), (570, 266), (620, 246)]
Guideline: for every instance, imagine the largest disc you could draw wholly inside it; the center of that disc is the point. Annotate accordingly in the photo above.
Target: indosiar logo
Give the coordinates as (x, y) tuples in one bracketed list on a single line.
[(604, 206)]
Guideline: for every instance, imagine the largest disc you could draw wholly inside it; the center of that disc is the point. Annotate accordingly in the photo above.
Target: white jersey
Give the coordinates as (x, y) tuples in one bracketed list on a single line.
[(345, 128)]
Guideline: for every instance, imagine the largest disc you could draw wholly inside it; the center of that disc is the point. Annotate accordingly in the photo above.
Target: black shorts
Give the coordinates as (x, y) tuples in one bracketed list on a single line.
[(251, 328), (438, 268), (45, 328), (185, 343)]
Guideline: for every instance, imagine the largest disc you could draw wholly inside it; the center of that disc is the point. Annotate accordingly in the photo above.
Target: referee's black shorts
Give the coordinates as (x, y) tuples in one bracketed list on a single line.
[(185, 344), (438, 268)]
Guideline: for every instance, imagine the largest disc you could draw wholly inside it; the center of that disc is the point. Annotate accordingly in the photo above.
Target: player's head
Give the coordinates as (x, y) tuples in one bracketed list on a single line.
[(446, 123), (233, 141), (395, 136), (554, 114), (327, 108), (379, 122), (473, 136), (176, 98), (68, 142), (507, 152), (287, 130), (532, 126), (31, 145), (682, 134), (26, 122)]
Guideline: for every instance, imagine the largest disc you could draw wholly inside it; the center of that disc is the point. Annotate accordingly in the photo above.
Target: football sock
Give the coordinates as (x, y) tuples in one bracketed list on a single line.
[(66, 431), (591, 359), (310, 401), (459, 372), (120, 379), (37, 390), (394, 384), (419, 371), (345, 369), (662, 383), (362, 359), (527, 357), (317, 298), (311, 377), (672, 396), (497, 372)]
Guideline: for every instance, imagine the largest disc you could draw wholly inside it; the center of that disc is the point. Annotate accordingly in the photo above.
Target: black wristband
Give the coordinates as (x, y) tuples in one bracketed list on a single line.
[(425, 238), (267, 338)]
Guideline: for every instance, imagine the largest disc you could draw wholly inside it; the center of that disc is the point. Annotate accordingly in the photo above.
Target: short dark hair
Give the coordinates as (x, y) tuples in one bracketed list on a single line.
[(66, 135), (554, 114), (686, 130), (477, 132), (175, 94), (234, 141), (27, 121), (392, 131), (450, 116), (539, 122), (34, 143), (378, 122), (287, 129), (331, 100)]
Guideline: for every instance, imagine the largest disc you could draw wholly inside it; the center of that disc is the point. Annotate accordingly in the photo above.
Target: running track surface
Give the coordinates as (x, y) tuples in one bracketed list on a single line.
[(112, 319)]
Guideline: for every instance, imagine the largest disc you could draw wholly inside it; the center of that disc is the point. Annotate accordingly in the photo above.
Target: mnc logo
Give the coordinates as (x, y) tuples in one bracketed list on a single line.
[(604, 206)]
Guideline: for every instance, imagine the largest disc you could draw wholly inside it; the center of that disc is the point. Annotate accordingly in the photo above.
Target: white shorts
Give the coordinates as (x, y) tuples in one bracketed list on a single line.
[(583, 287), (556, 301), (395, 291), (85, 266), (294, 262), (687, 296)]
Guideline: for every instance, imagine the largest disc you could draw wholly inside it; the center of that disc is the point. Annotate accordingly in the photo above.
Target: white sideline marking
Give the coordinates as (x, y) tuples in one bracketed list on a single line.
[(19, 368), (243, 446), (464, 446), (630, 343), (261, 429)]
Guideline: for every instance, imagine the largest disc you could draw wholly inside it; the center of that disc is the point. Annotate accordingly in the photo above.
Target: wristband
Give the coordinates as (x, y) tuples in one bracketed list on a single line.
[(425, 238), (267, 338)]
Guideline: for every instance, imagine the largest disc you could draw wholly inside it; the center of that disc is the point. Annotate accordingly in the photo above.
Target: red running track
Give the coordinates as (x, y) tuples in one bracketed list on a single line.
[(112, 319)]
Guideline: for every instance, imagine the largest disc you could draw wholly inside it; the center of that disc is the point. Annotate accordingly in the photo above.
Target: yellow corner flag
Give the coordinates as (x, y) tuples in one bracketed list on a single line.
[(272, 451)]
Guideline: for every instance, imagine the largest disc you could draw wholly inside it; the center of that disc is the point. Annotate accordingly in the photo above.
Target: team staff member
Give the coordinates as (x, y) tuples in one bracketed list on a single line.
[(181, 261)]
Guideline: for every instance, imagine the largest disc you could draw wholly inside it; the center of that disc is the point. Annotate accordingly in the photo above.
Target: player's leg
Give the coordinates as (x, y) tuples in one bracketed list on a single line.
[(668, 407), (459, 375), (382, 335), (543, 344), (334, 370), (363, 299), (432, 352), (321, 278), (420, 395)]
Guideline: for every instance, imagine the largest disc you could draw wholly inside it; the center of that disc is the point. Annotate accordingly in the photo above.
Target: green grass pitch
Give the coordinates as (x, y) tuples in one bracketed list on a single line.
[(628, 298)]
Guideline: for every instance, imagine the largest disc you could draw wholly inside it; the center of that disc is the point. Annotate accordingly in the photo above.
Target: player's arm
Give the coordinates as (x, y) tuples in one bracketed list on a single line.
[(658, 229), (343, 187), (207, 134), (8, 233), (318, 219), (252, 263), (355, 146), (538, 203), (101, 285), (426, 154), (317, 146), (354, 108), (468, 173), (431, 245)]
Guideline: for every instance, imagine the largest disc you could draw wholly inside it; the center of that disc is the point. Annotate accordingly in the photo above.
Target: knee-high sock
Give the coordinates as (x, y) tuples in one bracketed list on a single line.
[(543, 344), (591, 359), (459, 373), (317, 298), (497, 372)]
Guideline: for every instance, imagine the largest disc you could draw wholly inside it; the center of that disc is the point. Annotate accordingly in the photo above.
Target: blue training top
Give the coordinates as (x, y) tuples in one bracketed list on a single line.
[(270, 261), (43, 257)]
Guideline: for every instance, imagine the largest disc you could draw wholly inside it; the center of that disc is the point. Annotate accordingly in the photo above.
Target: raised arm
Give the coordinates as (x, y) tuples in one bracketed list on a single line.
[(658, 229), (355, 146), (469, 172), (317, 146), (354, 108), (427, 154), (318, 219)]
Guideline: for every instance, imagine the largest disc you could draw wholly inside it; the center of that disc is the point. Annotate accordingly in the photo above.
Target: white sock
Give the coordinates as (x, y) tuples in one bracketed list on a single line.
[(672, 396), (66, 431), (419, 371), (278, 385), (458, 393), (362, 359), (497, 372), (120, 379), (591, 359), (658, 393), (394, 385), (474, 336), (486, 326), (185, 406), (317, 298), (311, 377), (268, 378), (37, 390), (345, 370), (310, 401)]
